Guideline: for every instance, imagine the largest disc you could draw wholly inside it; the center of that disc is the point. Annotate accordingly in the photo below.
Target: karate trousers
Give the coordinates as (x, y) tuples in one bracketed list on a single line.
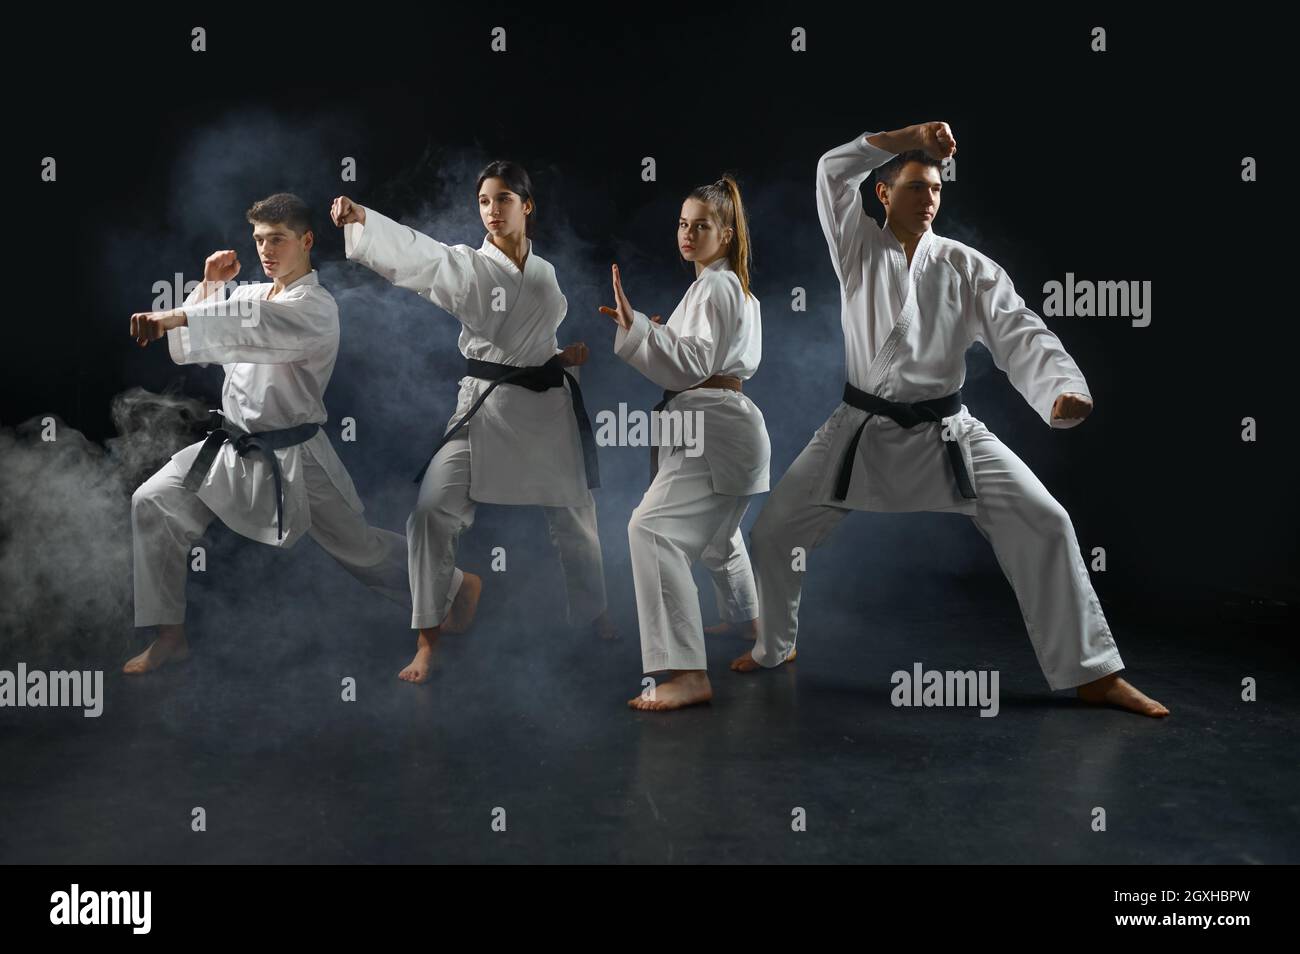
[(1032, 538), (680, 520), (166, 519), (444, 510)]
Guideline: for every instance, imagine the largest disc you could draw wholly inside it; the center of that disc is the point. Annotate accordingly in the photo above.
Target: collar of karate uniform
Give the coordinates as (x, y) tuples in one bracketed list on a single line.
[(491, 250), (890, 237), (718, 264), (919, 256), (311, 278)]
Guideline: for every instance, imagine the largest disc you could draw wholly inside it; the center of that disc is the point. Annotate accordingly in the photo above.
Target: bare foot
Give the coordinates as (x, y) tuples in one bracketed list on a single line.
[(421, 667), (170, 646), (745, 662), (1114, 691), (688, 687), (603, 627), (747, 629), (464, 605)]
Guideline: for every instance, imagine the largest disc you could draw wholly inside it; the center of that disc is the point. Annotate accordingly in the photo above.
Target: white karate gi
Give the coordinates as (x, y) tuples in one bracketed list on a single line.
[(693, 507), (906, 332), (277, 355), (524, 444)]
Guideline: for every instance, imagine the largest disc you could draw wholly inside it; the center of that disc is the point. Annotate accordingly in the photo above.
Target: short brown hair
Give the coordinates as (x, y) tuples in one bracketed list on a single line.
[(888, 173), (283, 208)]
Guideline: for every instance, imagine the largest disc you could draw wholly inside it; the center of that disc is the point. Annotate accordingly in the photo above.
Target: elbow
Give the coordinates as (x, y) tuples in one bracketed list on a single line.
[(824, 178), (691, 374)]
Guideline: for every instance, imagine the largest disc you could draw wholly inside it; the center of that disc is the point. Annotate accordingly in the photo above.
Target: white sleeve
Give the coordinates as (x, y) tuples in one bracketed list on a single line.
[(298, 325), (444, 274), (1021, 343), (215, 291), (677, 360), (839, 204)]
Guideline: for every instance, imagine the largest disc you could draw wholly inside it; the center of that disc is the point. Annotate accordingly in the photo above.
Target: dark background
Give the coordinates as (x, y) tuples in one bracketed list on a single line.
[(1120, 166), (1116, 166)]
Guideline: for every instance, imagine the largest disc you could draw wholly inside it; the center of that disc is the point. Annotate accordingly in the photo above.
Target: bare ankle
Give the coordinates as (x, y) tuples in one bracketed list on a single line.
[(173, 633)]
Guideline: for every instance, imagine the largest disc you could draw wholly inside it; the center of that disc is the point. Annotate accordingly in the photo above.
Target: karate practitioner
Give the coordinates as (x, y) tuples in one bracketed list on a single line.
[(694, 505), (527, 441), (267, 469), (901, 440)]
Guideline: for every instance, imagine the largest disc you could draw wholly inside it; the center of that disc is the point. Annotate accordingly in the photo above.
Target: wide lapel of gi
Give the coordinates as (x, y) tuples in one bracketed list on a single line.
[(908, 277), (897, 261), (504, 260), (311, 278)]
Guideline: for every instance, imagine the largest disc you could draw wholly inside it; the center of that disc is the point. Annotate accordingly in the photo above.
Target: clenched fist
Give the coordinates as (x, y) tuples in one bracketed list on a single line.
[(935, 140), (1071, 407), (574, 355), (221, 266), (343, 211), (147, 326)]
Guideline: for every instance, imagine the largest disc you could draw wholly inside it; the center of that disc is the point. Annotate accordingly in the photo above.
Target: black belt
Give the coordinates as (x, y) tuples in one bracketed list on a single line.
[(540, 377), (265, 443), (905, 415)]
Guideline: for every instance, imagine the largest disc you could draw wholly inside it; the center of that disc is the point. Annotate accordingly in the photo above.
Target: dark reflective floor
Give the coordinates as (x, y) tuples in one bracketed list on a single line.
[(532, 718)]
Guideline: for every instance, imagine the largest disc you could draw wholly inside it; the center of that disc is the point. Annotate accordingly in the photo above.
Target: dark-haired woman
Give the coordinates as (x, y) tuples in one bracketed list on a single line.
[(519, 434), (710, 344)]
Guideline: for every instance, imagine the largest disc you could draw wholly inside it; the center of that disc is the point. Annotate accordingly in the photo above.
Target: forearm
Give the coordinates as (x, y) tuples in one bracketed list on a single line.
[(411, 260), (203, 291), (898, 140), (841, 170), (1040, 368), (672, 361), (252, 330), (1030, 353), (840, 174)]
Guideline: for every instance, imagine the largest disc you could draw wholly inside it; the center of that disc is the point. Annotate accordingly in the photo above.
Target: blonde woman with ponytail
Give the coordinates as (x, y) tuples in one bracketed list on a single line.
[(699, 492)]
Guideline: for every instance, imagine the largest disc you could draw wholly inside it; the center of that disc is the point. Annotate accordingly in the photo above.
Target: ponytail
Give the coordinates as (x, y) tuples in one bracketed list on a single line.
[(723, 199)]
